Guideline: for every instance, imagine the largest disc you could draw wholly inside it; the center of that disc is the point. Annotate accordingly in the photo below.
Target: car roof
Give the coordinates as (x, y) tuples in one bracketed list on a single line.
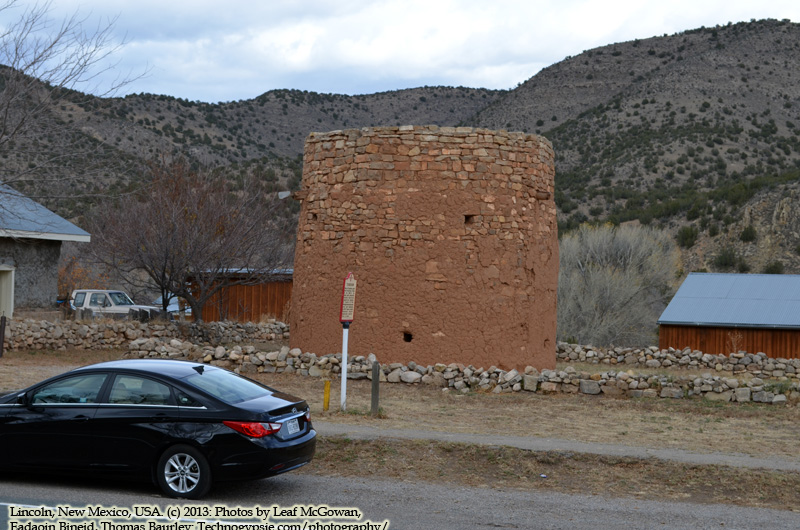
[(168, 367)]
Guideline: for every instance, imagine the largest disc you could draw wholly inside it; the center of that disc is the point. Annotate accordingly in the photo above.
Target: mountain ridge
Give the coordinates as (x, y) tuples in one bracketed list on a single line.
[(685, 132)]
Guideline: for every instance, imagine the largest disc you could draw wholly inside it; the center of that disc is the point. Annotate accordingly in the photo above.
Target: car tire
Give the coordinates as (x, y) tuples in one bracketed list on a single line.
[(183, 472)]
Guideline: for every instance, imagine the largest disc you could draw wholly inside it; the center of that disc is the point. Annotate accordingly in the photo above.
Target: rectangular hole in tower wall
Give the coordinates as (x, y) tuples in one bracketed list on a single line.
[(407, 337), (469, 219)]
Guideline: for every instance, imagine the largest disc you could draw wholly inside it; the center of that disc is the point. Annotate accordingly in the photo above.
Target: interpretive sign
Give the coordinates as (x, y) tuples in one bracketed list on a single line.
[(348, 306)]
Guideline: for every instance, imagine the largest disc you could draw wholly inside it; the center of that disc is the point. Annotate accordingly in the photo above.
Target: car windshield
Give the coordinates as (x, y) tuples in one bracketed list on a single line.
[(226, 386), (120, 298)]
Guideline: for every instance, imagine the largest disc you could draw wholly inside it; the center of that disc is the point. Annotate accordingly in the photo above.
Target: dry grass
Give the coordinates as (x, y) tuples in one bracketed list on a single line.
[(19, 369), (696, 425)]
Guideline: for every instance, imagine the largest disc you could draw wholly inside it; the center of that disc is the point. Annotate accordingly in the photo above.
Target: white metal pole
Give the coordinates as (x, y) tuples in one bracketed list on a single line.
[(345, 331)]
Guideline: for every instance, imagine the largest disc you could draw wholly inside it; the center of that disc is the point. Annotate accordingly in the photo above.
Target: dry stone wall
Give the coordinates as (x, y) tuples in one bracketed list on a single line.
[(738, 363), (28, 334), (451, 235), (761, 385), (620, 372)]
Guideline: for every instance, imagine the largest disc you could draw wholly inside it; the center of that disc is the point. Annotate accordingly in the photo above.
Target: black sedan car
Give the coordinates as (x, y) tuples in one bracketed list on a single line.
[(177, 423)]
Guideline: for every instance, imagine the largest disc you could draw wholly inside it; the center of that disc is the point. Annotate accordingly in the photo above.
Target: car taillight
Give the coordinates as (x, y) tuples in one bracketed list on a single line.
[(308, 415), (253, 429)]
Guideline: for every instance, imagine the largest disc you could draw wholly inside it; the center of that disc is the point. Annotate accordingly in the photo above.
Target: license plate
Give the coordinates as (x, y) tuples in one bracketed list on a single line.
[(292, 426)]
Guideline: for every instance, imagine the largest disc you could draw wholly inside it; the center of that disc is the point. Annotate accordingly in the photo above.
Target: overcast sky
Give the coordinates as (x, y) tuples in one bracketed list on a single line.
[(237, 49)]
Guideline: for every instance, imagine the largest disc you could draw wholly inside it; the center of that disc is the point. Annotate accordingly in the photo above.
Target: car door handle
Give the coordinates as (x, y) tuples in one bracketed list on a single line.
[(80, 418)]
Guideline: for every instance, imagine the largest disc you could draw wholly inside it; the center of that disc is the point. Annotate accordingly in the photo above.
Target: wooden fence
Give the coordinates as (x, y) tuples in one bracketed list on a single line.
[(250, 303)]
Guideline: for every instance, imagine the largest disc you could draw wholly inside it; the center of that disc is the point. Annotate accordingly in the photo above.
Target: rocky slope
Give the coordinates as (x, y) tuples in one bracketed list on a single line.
[(695, 132)]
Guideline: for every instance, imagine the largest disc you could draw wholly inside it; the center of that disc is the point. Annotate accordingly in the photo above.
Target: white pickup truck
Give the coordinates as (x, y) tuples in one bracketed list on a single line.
[(110, 303)]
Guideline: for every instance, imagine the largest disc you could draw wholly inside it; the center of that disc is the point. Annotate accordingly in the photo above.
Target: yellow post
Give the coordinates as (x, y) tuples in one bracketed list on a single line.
[(326, 400)]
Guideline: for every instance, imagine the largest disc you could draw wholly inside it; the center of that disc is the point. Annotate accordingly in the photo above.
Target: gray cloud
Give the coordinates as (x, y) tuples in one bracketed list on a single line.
[(221, 51)]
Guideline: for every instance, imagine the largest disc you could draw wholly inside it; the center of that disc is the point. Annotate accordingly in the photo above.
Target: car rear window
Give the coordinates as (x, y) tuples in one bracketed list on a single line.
[(227, 386), (135, 390)]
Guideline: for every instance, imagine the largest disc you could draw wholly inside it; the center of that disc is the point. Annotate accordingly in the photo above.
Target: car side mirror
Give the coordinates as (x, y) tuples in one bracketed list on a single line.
[(23, 399)]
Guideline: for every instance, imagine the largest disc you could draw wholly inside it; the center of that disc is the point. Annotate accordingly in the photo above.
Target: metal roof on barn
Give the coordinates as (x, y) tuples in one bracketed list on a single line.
[(736, 300), (21, 217)]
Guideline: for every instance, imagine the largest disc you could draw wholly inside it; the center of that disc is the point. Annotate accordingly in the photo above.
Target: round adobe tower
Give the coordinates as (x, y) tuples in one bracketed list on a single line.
[(451, 235)]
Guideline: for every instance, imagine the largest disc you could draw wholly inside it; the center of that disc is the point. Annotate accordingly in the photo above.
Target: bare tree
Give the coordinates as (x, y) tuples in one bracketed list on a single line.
[(192, 234), (42, 62), (613, 284)]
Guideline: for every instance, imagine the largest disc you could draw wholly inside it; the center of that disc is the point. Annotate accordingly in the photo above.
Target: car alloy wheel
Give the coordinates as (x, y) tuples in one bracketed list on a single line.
[(183, 472)]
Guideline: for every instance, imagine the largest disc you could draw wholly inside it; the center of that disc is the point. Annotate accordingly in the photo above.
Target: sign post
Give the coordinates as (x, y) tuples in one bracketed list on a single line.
[(346, 311)]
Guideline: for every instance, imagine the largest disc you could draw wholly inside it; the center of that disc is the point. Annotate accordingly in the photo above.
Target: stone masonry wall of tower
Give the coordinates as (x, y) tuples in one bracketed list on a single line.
[(451, 234)]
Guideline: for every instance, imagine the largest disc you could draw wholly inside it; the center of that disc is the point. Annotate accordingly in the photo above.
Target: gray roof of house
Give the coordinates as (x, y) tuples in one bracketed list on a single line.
[(24, 218), (736, 300)]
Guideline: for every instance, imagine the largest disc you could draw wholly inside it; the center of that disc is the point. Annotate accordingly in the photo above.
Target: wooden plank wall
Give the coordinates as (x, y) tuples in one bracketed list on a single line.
[(250, 303), (776, 343)]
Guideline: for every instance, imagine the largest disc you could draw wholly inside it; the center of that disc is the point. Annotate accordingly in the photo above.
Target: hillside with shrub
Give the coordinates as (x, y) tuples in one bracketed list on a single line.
[(696, 133)]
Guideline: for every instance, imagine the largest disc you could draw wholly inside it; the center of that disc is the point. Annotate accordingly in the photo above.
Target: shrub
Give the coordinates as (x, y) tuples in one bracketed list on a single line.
[(748, 235), (687, 236), (697, 209), (613, 283), (773, 267), (726, 258), (742, 266)]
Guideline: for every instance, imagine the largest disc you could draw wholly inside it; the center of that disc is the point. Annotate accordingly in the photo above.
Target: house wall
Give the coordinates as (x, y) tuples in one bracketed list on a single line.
[(451, 236), (36, 270), (776, 343)]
